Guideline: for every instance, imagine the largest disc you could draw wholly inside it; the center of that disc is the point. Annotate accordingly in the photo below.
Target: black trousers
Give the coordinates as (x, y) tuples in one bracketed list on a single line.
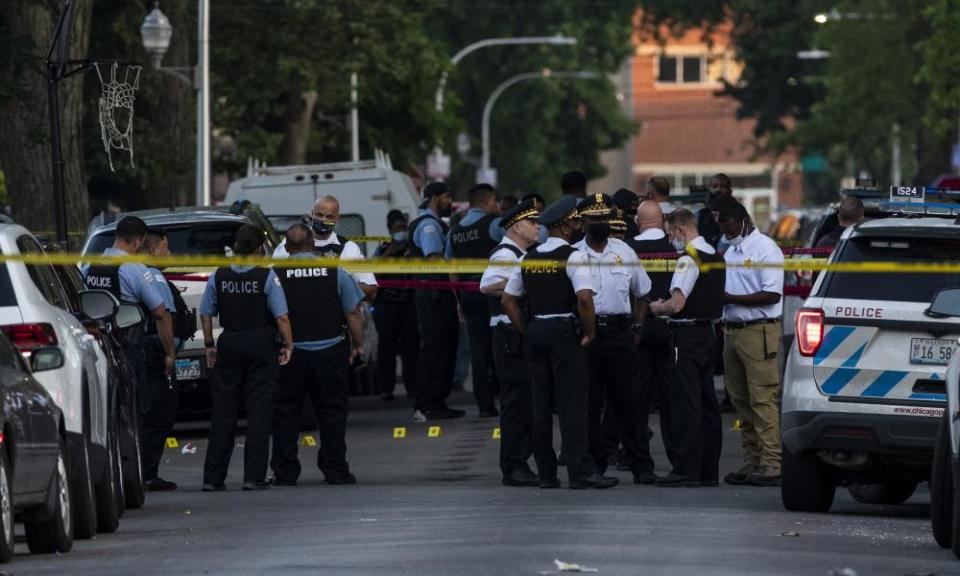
[(324, 376), (656, 366), (558, 364), (158, 407), (696, 427), (613, 382), (476, 314), (438, 324), (516, 399), (246, 369), (397, 334)]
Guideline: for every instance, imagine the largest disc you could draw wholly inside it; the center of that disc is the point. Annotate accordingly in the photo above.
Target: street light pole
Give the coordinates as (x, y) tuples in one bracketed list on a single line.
[(156, 31), (492, 100)]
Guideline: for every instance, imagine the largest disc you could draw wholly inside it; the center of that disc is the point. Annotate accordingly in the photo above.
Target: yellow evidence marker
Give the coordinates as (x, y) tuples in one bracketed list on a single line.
[(433, 432), (172, 443), (400, 432)]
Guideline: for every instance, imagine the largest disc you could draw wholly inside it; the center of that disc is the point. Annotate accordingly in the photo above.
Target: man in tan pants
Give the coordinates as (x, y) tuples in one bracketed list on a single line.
[(752, 316)]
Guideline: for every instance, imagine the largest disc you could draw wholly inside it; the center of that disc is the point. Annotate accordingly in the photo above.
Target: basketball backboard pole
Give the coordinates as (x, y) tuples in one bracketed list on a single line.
[(55, 67)]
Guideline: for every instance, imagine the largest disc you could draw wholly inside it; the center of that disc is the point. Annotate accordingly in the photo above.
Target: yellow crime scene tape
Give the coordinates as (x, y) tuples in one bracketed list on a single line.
[(187, 264)]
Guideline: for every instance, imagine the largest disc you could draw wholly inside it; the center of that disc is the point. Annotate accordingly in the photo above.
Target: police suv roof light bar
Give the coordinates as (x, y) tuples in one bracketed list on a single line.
[(917, 200)]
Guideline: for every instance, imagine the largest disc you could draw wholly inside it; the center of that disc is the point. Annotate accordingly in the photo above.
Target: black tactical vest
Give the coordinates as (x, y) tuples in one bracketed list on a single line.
[(414, 251), (107, 278), (660, 280), (331, 250), (313, 299), (549, 289), (397, 295), (473, 241), (242, 299), (496, 309), (706, 300)]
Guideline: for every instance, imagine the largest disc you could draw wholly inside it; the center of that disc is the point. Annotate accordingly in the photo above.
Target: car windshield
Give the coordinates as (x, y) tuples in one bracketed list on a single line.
[(204, 239), (893, 286)]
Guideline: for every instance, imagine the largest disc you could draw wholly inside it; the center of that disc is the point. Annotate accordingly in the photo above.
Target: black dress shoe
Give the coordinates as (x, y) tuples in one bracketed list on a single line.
[(340, 479), (488, 413), (443, 414), (673, 480), (160, 485), (644, 478), (521, 477), (274, 481), (214, 487), (549, 483), (594, 481), (252, 486)]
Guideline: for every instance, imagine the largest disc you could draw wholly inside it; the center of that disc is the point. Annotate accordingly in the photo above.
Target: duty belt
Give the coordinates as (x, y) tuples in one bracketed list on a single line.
[(614, 321), (744, 324)]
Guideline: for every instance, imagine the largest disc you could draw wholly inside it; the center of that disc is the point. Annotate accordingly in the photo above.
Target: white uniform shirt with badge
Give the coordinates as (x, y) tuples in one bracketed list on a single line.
[(577, 271), (756, 248), (350, 252), (617, 273), (496, 274), (687, 273)]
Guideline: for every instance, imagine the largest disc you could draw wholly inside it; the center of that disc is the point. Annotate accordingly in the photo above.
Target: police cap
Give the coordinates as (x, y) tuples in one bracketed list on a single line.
[(433, 189), (618, 223), (596, 206), (625, 199), (521, 211), (559, 212)]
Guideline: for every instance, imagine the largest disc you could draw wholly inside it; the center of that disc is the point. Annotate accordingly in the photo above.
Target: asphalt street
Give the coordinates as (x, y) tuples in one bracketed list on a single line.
[(434, 505)]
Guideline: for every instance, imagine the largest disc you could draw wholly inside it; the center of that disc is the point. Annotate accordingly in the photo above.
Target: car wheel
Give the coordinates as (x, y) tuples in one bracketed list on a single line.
[(806, 483), (6, 510), (108, 515), (888, 492), (941, 488), (84, 499), (54, 534), (133, 488)]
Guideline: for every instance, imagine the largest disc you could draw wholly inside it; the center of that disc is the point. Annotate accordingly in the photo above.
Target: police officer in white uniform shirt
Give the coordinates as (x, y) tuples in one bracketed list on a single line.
[(516, 410), (694, 306), (754, 306), (324, 218), (620, 285)]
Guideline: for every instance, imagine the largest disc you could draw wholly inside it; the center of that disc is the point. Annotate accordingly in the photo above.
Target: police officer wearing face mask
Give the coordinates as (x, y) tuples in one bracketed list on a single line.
[(621, 285), (251, 305), (395, 316), (516, 412), (694, 307), (560, 290)]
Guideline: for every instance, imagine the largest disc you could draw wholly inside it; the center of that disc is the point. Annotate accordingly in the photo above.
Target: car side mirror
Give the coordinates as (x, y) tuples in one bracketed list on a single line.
[(128, 315), (945, 304), (49, 358), (98, 304)]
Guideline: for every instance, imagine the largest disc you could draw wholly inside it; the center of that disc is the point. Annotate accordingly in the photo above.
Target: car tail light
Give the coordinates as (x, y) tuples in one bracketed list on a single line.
[(809, 330), (26, 337)]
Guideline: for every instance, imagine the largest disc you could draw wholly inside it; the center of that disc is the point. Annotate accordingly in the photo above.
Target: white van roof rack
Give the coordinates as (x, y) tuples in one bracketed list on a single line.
[(257, 168)]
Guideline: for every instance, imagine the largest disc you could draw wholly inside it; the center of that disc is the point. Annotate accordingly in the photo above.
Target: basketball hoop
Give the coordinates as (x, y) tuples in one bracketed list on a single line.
[(116, 108)]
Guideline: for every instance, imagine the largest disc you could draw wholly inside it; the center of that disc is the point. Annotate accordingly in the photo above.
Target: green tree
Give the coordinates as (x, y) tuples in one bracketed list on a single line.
[(941, 66)]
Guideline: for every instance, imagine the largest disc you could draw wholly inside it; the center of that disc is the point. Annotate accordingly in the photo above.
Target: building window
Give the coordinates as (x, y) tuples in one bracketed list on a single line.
[(682, 70), (668, 69)]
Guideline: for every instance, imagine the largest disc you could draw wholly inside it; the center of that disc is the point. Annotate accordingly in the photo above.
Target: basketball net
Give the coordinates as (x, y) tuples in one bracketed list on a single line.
[(116, 109)]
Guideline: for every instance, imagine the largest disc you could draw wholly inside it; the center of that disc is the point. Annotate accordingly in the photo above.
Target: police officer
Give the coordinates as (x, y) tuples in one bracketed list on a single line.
[(474, 236), (694, 306), (436, 310), (134, 284), (323, 302), (627, 202), (560, 289), (656, 348), (252, 307), (160, 396), (621, 284), (516, 412)]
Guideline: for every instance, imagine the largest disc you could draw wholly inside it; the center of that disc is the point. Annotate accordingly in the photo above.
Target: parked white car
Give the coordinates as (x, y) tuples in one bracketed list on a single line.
[(33, 314)]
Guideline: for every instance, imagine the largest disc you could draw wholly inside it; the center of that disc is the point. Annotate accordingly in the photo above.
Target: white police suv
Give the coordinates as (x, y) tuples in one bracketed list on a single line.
[(864, 384)]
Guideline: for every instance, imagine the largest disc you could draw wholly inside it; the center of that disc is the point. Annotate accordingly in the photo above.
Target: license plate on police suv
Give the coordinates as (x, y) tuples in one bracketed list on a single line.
[(188, 369), (931, 351)]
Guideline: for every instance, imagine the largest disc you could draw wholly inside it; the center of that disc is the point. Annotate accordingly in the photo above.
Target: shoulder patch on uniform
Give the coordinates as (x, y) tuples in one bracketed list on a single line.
[(276, 279), (148, 276), (683, 264)]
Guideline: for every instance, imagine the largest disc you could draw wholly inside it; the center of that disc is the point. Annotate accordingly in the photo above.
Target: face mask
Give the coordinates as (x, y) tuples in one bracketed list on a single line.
[(678, 244), (445, 212), (322, 227), (738, 239), (599, 231), (400, 236)]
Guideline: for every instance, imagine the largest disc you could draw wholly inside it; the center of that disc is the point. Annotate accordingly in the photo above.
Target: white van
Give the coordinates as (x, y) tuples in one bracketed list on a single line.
[(367, 191)]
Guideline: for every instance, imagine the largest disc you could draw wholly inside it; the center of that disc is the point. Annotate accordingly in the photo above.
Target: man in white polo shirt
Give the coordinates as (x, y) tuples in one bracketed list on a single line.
[(752, 315)]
